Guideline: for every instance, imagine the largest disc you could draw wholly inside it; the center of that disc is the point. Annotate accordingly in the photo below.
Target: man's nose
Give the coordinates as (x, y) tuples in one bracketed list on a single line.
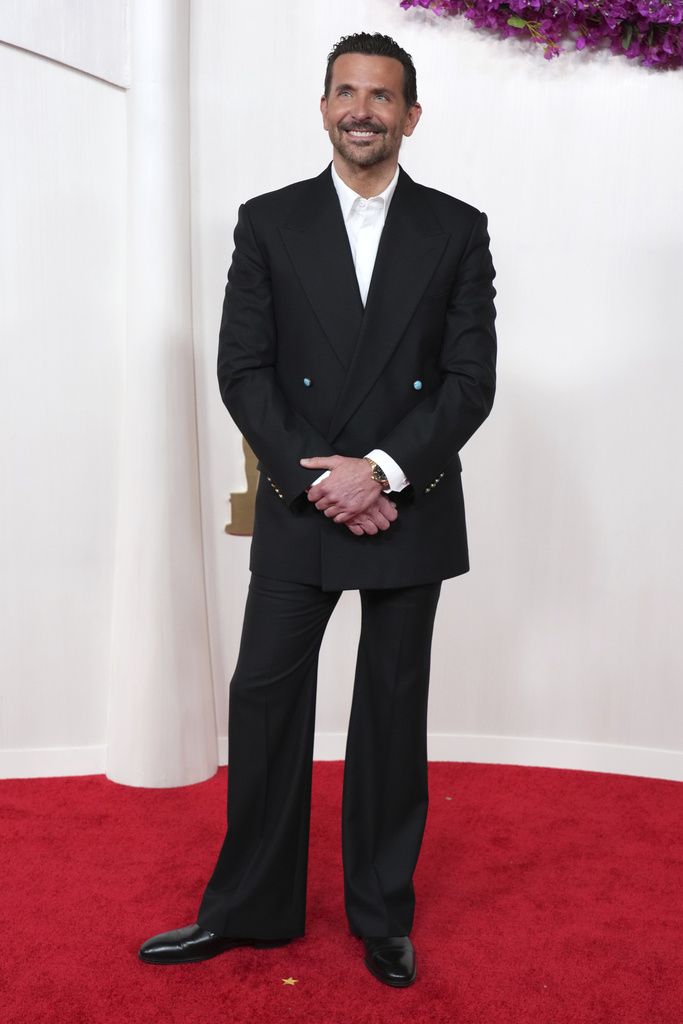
[(361, 108)]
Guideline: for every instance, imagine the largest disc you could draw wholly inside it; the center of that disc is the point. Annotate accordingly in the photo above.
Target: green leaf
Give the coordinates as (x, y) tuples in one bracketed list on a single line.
[(516, 21), (626, 35)]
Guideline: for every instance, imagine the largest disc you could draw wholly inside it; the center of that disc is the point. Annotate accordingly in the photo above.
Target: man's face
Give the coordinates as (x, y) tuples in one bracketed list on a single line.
[(365, 113)]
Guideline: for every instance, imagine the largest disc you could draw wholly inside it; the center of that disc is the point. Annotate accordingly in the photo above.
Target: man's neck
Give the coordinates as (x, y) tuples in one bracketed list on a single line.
[(366, 181)]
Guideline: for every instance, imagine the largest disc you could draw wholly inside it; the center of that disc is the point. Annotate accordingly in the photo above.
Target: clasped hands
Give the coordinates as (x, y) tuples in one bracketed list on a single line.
[(349, 495)]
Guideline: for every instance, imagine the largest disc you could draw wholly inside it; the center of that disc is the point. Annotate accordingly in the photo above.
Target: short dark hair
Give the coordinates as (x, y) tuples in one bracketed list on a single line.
[(374, 44)]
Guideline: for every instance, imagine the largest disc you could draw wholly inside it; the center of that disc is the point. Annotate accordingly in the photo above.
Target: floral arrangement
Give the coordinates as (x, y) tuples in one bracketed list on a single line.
[(650, 31)]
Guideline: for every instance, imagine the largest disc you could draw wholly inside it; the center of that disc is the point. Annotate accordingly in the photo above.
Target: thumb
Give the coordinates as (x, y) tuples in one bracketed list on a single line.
[(316, 462)]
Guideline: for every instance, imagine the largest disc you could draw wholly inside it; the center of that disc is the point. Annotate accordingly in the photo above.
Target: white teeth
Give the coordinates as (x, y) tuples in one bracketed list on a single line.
[(361, 134)]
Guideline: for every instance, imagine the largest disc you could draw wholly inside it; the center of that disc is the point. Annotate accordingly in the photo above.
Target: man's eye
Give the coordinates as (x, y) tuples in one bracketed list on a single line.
[(344, 92), (381, 96)]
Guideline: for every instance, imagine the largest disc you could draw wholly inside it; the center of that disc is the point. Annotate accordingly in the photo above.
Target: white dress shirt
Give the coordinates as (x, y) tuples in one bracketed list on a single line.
[(364, 220)]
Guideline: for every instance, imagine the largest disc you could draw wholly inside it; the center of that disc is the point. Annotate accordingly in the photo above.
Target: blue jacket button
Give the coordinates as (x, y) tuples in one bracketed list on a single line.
[(307, 382), (417, 384)]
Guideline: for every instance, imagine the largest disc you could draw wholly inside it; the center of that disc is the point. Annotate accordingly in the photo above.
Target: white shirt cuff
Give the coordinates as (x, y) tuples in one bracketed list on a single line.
[(392, 470)]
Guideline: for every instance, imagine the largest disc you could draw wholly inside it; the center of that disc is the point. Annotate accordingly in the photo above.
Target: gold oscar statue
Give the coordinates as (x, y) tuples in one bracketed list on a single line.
[(242, 503)]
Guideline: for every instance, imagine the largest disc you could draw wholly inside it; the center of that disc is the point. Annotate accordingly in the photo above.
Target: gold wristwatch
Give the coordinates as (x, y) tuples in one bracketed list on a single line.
[(378, 473)]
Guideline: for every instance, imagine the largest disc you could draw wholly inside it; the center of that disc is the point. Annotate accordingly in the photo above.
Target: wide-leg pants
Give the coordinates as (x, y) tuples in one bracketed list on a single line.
[(258, 886)]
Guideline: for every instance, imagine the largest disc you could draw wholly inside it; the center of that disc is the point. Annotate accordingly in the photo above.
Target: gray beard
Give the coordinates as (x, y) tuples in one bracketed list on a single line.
[(361, 157)]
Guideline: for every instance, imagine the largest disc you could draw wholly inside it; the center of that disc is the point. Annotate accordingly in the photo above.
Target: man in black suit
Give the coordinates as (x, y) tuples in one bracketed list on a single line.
[(357, 356)]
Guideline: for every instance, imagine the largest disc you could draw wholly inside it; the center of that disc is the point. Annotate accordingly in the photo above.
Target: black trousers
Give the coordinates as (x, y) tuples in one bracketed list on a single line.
[(258, 887)]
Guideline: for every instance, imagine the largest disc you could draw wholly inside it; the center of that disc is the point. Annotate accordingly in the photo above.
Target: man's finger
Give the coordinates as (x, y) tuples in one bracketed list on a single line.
[(354, 528), (381, 521), (365, 523), (387, 508), (320, 462), (319, 492)]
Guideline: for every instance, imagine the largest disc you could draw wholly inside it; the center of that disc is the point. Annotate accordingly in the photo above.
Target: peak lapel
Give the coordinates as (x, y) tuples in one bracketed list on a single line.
[(316, 240), (411, 245)]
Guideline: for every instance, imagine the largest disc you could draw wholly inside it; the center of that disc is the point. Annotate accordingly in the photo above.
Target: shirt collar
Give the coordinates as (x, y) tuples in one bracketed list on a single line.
[(347, 196)]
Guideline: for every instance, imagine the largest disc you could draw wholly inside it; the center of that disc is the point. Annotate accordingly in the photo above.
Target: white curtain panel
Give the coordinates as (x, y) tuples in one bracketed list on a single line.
[(160, 725)]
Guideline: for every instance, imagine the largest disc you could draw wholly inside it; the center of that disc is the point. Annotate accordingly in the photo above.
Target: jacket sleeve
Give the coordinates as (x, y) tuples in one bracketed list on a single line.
[(276, 433), (432, 433)]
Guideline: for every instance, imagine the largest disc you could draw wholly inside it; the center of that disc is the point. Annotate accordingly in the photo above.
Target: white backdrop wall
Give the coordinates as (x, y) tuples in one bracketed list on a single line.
[(62, 323), (561, 645), (73, 33)]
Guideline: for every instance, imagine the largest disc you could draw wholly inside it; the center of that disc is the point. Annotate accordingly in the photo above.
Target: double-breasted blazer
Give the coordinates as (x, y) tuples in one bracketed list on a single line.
[(304, 369)]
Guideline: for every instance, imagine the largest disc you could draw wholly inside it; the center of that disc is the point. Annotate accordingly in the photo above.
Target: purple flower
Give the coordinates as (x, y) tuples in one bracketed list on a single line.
[(650, 31)]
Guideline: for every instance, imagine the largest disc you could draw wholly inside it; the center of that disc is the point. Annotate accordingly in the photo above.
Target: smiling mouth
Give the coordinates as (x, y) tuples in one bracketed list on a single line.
[(361, 133)]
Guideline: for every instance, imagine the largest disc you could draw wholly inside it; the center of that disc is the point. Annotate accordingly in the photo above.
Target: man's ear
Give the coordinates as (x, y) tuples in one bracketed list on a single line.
[(412, 117), (323, 110)]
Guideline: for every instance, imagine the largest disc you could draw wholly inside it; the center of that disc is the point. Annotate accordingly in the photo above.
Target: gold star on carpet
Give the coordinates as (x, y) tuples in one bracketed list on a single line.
[(290, 981)]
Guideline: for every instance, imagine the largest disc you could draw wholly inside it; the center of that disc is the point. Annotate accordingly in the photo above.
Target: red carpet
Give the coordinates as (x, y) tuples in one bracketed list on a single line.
[(543, 896)]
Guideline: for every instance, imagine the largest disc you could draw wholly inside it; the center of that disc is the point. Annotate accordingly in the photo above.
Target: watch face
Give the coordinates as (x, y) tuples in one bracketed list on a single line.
[(378, 474)]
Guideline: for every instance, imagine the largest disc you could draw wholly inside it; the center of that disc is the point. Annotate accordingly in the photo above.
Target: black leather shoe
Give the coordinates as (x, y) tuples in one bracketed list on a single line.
[(189, 944), (391, 960)]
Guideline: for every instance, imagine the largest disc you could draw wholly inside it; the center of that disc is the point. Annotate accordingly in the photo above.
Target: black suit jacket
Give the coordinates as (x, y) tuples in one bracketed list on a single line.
[(305, 370)]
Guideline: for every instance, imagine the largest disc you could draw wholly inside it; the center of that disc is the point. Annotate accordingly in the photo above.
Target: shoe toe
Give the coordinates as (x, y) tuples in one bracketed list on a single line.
[(180, 943), (391, 960)]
